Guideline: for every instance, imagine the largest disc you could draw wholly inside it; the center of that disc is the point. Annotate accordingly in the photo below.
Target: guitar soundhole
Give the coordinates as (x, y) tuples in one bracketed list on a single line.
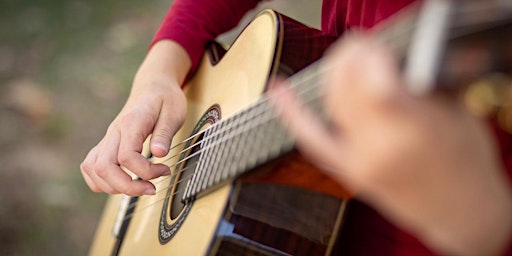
[(174, 208), (185, 174)]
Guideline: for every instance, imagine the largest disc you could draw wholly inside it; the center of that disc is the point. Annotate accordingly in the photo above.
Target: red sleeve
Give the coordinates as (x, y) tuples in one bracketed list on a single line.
[(504, 141), (194, 23), (508, 252)]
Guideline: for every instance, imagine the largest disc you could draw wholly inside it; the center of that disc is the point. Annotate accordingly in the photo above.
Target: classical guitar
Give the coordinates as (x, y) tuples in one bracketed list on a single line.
[(226, 193), (237, 186)]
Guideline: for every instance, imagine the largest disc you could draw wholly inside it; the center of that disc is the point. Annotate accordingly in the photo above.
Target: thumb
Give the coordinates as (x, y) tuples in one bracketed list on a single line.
[(169, 122)]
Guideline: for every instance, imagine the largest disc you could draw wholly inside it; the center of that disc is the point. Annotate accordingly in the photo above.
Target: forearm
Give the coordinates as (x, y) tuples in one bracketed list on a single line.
[(166, 63)]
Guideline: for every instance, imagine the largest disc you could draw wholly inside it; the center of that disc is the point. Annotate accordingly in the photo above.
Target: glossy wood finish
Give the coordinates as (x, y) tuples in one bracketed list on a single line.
[(270, 212), (292, 169)]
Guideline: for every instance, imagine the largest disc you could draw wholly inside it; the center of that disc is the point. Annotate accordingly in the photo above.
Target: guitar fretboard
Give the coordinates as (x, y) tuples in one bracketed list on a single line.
[(254, 135), (248, 139)]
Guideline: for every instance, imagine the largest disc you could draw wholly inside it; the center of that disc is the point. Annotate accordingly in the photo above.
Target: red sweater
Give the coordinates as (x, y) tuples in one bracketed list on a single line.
[(194, 23)]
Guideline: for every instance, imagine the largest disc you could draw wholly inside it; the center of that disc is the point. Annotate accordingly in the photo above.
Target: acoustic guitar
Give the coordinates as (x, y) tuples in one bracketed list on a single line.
[(237, 186)]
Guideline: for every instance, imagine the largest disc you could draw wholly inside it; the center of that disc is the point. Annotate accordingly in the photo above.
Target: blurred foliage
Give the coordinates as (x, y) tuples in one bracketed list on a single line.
[(40, 38), (66, 67), (65, 71)]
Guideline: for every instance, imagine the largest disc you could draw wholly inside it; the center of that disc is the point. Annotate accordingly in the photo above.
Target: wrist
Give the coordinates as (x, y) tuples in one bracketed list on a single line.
[(166, 60)]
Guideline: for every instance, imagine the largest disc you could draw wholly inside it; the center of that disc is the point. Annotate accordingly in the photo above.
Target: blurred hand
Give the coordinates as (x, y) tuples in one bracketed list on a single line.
[(156, 106), (424, 162)]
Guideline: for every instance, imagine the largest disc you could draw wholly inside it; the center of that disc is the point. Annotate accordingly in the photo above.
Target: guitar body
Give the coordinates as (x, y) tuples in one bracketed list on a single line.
[(283, 207)]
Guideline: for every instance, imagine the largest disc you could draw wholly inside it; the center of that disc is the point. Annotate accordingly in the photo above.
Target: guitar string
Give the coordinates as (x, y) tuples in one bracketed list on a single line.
[(210, 146), (257, 105), (457, 27), (165, 189), (264, 100), (232, 135)]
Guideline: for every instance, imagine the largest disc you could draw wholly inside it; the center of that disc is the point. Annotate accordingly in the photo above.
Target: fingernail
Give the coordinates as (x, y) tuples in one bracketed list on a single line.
[(166, 172), (161, 146), (150, 191)]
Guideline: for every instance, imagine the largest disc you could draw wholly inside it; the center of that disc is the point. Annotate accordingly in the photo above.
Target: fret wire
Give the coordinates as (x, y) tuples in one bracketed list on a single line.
[(245, 126), (204, 160), (226, 153), (191, 183), (241, 139), (217, 157), (250, 113), (222, 163), (255, 142), (245, 136), (217, 131), (214, 167), (219, 152), (231, 159), (206, 182), (197, 134), (235, 155), (228, 125), (394, 34), (220, 166)]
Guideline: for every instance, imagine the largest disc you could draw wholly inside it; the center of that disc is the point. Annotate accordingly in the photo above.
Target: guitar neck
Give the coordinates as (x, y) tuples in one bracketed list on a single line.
[(254, 135), (249, 138), (428, 37)]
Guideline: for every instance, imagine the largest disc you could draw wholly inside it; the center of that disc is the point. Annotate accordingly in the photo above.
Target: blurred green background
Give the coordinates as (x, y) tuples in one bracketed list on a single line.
[(65, 71)]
